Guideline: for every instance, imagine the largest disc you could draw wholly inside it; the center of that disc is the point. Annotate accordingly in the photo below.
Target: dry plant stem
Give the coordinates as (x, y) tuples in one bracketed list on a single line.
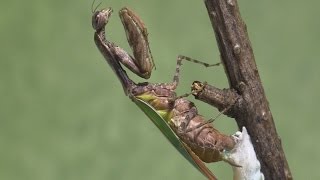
[(222, 98), (252, 109)]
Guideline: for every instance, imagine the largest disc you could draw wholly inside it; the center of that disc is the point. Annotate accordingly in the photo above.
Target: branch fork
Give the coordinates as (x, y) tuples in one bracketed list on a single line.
[(245, 94)]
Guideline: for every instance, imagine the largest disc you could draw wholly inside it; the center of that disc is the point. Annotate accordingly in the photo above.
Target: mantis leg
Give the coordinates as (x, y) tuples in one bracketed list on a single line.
[(180, 58)]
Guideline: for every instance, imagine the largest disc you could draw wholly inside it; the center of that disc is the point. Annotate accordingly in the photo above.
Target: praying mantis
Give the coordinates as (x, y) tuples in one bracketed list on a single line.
[(177, 118)]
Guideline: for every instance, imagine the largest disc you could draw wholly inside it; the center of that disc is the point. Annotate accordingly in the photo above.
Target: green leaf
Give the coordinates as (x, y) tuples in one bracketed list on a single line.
[(173, 138)]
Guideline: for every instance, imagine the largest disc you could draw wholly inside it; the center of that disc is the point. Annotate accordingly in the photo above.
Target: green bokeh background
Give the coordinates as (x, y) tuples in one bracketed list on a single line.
[(63, 114)]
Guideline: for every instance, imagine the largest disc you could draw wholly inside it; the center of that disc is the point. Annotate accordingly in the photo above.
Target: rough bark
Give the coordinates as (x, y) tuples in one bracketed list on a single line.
[(252, 108)]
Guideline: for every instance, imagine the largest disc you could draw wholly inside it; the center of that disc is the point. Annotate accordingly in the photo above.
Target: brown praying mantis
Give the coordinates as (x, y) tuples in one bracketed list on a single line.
[(175, 116)]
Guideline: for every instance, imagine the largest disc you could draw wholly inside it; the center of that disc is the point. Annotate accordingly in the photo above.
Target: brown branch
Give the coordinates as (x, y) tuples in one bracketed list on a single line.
[(252, 108), (220, 98)]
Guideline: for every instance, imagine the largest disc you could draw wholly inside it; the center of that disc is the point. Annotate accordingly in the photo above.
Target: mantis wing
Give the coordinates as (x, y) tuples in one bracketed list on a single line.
[(166, 130)]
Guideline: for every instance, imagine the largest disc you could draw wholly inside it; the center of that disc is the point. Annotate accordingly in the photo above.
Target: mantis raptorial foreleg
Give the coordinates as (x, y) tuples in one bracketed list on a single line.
[(137, 36)]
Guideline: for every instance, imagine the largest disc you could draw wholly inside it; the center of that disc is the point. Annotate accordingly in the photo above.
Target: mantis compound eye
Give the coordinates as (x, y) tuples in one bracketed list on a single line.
[(101, 18)]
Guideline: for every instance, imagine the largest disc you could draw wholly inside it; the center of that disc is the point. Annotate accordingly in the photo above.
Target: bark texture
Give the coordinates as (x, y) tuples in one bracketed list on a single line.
[(251, 109)]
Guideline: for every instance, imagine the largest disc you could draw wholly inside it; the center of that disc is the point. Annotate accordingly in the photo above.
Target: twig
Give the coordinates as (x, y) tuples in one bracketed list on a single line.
[(252, 109)]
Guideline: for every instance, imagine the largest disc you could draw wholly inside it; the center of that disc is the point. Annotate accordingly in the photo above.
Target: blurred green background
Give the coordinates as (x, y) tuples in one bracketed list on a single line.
[(64, 116)]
